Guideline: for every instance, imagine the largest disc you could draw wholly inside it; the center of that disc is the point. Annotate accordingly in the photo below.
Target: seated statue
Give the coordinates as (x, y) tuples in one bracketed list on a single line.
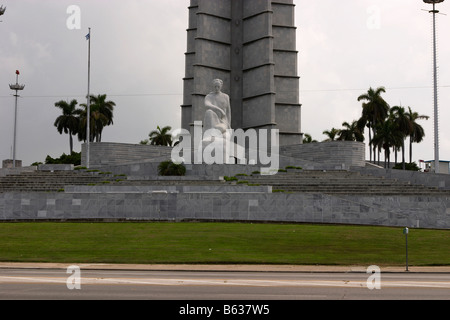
[(218, 111)]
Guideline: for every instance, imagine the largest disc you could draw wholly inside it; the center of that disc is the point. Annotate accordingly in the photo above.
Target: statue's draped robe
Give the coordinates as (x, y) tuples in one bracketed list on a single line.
[(214, 119)]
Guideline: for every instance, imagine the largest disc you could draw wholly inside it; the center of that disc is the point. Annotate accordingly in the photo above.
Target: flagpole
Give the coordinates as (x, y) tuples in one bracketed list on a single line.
[(88, 115)]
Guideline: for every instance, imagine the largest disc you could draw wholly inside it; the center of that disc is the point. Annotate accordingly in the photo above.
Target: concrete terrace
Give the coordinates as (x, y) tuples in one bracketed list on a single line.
[(309, 196), (334, 186), (42, 181), (293, 181), (339, 182)]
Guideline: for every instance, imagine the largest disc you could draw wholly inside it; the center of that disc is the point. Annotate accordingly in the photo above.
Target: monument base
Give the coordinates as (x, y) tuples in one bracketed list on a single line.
[(9, 164), (222, 151), (318, 156)]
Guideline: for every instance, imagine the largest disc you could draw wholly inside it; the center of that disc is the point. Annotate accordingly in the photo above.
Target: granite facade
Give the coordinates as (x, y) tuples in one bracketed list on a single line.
[(398, 211), (138, 160), (251, 46)]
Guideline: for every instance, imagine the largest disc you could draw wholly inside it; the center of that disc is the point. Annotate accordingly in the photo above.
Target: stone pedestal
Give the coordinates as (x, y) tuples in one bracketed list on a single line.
[(8, 164)]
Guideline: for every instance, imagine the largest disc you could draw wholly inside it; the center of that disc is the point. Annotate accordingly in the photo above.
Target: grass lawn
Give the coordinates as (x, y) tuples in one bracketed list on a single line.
[(225, 243)]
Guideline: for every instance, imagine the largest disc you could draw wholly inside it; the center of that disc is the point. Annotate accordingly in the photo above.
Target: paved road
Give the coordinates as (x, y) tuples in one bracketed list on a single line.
[(110, 284)]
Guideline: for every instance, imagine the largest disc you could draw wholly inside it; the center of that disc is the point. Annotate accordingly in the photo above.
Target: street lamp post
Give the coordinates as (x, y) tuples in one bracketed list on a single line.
[(436, 120), (405, 232), (16, 87)]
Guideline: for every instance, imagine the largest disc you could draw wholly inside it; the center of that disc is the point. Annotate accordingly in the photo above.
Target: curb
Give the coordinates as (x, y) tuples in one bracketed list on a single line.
[(226, 268)]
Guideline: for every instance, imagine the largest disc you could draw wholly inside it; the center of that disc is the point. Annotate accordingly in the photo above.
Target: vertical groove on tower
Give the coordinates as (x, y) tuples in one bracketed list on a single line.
[(287, 82), (258, 67), (236, 78)]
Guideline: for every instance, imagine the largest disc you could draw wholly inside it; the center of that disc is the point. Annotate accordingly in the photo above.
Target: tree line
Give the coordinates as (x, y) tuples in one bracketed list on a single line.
[(388, 128)]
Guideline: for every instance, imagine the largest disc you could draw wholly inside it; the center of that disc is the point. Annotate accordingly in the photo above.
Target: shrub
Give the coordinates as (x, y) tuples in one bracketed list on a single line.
[(408, 166), (168, 168), (74, 158)]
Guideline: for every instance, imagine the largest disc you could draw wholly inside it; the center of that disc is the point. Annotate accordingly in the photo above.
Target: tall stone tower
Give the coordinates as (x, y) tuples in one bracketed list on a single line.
[(251, 46)]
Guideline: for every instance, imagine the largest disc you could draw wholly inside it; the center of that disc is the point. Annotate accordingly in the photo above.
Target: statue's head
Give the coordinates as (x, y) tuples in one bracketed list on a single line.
[(217, 84)]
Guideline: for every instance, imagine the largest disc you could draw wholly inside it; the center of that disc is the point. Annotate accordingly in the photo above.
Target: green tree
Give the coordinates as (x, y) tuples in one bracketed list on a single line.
[(69, 121), (374, 110), (404, 126), (387, 136), (417, 132), (331, 134), (308, 139), (102, 114), (161, 137), (351, 132), (82, 131)]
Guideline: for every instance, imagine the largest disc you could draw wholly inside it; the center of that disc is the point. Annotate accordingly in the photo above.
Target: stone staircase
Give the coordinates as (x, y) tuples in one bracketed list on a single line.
[(41, 181), (338, 182), (334, 182)]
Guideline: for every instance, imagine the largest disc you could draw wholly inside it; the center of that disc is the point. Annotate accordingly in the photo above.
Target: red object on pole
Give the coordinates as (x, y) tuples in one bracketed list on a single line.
[(17, 72)]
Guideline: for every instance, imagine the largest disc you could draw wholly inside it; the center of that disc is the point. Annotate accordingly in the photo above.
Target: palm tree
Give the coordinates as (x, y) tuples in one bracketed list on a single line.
[(404, 126), (83, 123), (102, 113), (161, 137), (375, 110), (331, 134), (308, 139), (351, 132), (417, 132), (100, 117), (387, 136), (397, 143), (69, 121)]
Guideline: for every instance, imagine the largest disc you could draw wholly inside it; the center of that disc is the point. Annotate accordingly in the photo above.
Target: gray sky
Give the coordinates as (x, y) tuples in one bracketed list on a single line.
[(137, 59)]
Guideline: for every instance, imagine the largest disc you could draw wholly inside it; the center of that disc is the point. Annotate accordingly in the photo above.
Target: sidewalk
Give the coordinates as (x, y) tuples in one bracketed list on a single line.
[(225, 268)]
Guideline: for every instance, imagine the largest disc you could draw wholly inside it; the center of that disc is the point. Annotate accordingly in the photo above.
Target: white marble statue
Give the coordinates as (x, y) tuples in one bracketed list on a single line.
[(218, 111)]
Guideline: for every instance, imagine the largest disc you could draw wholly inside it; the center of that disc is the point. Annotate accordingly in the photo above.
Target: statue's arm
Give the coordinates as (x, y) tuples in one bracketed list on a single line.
[(211, 106), (228, 111)]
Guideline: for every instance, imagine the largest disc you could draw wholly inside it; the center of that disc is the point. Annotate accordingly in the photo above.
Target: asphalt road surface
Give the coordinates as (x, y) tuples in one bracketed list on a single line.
[(79, 284)]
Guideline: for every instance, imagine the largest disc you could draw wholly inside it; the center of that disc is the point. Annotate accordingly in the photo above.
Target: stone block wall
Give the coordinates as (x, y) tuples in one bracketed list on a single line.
[(342, 154), (5, 172), (9, 164), (109, 153), (396, 211), (131, 159)]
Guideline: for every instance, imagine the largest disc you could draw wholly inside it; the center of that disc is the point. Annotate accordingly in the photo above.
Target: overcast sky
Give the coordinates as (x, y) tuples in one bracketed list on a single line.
[(137, 59)]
